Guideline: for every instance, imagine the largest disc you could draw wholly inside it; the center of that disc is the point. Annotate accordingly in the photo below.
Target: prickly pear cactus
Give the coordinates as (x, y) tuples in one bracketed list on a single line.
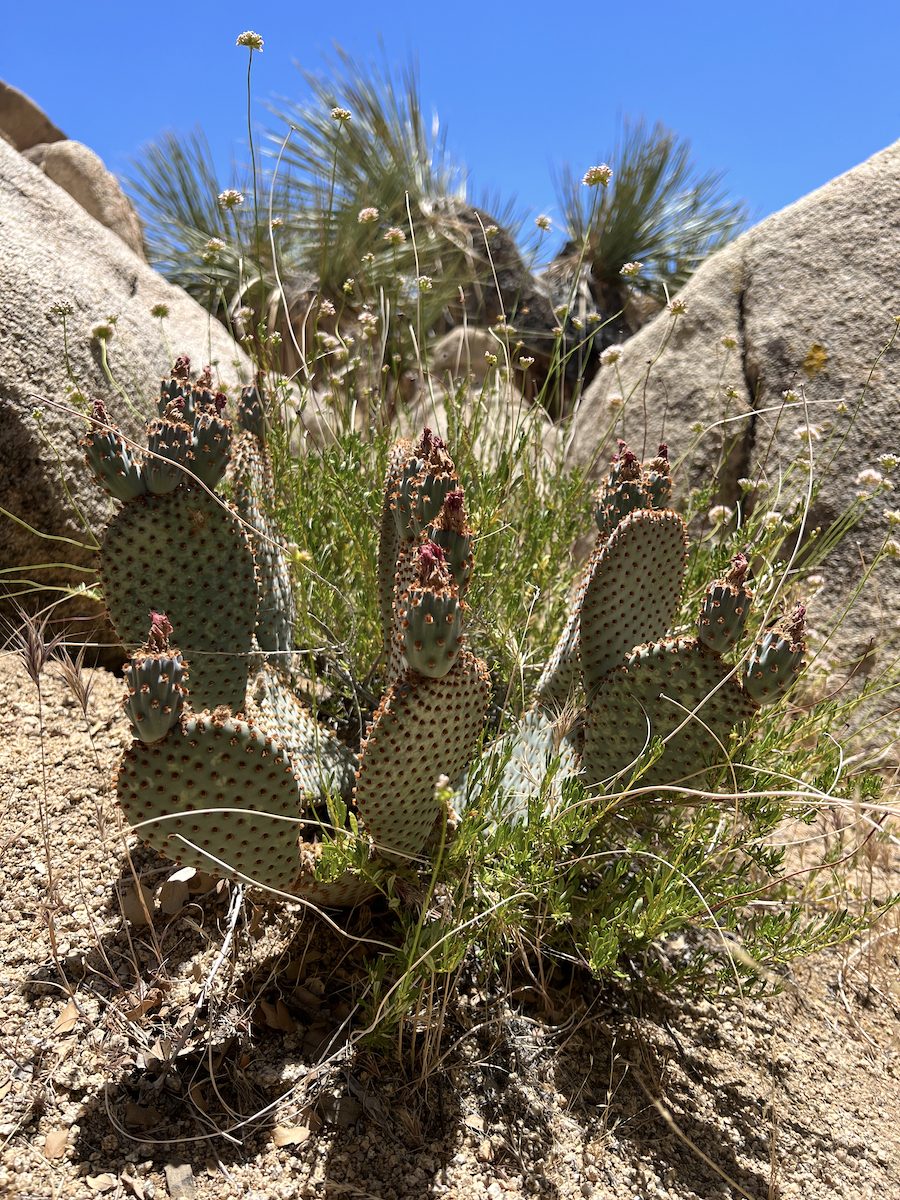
[(231, 779), (777, 658)]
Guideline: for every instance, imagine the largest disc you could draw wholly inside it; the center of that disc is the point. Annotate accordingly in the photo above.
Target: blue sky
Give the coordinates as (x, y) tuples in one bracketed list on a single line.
[(784, 96)]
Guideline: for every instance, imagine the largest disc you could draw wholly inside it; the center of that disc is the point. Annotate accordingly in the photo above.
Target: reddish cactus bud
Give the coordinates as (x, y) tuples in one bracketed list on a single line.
[(220, 400), (181, 368)]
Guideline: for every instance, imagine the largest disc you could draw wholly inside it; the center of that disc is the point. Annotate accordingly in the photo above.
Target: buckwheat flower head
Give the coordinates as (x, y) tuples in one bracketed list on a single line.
[(562, 311), (341, 114), (601, 174), (677, 307), (577, 324), (892, 548), (367, 216), (698, 427), (230, 198), (887, 462), (348, 286), (807, 433), (542, 222), (631, 270), (491, 231), (615, 401), (870, 478), (326, 307), (62, 308), (816, 582), (103, 331), (720, 513), (159, 310), (594, 318), (368, 259), (556, 330), (251, 40), (214, 245), (277, 222), (729, 342), (426, 283), (491, 358), (790, 397), (395, 236), (892, 516), (611, 355), (745, 484), (525, 363), (772, 519), (504, 327), (732, 393), (369, 322)]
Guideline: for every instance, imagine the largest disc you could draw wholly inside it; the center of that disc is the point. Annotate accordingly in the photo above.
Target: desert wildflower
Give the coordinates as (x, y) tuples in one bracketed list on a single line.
[(491, 231), (842, 406), (816, 582), (395, 236), (348, 286), (326, 307), (230, 198), (542, 222), (611, 355), (104, 331), (615, 401), (773, 519), (251, 40), (369, 323), (729, 342), (594, 318), (870, 478), (367, 216), (720, 513), (214, 245), (887, 462), (601, 174), (62, 308), (631, 270), (525, 363), (892, 516), (277, 222), (677, 307), (161, 311), (426, 283), (892, 548), (807, 433), (341, 114), (491, 358)]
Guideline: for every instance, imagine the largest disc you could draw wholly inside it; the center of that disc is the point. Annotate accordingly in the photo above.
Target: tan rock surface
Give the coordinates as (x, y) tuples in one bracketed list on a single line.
[(809, 298)]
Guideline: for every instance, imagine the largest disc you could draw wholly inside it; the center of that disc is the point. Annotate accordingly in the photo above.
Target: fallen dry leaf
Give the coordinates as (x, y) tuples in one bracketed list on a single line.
[(153, 999), (56, 1142), (136, 907), (135, 1114), (282, 1136), (67, 1019), (198, 1097), (101, 1183)]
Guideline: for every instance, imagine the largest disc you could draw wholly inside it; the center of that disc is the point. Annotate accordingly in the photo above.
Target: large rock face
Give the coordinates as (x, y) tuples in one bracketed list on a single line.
[(80, 172), (22, 122), (52, 252), (809, 298)]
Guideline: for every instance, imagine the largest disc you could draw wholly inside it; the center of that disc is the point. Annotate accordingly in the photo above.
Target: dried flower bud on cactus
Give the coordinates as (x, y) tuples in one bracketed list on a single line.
[(155, 678), (432, 616)]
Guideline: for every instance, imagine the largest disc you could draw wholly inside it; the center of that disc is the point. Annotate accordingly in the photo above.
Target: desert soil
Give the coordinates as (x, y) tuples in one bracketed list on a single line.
[(114, 1082)]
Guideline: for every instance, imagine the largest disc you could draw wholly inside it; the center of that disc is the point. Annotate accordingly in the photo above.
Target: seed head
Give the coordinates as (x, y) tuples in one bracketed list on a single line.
[(542, 222), (611, 355), (161, 311), (251, 40), (103, 331), (677, 307)]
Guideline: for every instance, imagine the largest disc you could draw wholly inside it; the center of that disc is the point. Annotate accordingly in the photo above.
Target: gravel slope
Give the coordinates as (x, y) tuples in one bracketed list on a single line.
[(793, 1096)]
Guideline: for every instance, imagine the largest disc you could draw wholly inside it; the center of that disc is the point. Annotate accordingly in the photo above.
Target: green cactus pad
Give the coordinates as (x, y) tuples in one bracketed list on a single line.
[(321, 763), (389, 540), (212, 447), (216, 763), (724, 609), (539, 738), (424, 728), (777, 658), (153, 700), (185, 554), (561, 672), (254, 495), (113, 464), (635, 704), (630, 591), (169, 448), (431, 616)]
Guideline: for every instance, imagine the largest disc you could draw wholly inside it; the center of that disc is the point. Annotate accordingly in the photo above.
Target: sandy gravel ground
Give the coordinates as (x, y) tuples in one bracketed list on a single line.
[(113, 1082)]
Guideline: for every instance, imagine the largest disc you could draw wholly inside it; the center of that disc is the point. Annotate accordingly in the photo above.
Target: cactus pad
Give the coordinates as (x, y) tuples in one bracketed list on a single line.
[(424, 728), (724, 609), (185, 554), (539, 738), (647, 698), (776, 659), (631, 590)]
